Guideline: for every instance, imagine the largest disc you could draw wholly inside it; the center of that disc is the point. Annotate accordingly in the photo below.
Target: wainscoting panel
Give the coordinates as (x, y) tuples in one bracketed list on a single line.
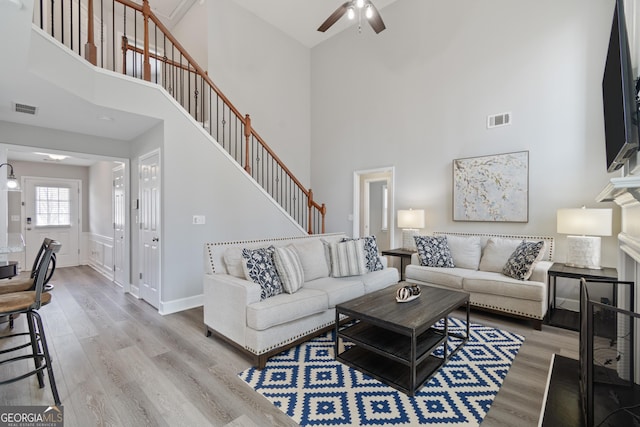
[(101, 254)]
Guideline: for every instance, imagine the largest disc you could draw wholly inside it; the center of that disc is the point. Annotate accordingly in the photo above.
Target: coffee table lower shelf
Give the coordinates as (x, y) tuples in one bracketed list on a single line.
[(395, 374)]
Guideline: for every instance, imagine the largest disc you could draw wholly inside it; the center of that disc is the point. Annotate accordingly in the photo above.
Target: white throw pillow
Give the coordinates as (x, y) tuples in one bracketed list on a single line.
[(348, 258), (233, 262), (465, 251), (289, 268), (496, 253), (312, 258)]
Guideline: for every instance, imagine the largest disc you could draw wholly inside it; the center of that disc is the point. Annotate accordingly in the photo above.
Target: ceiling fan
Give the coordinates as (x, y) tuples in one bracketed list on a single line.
[(350, 8)]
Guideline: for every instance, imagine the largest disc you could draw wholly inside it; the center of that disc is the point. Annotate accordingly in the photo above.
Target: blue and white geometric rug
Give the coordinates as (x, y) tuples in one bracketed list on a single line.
[(312, 388)]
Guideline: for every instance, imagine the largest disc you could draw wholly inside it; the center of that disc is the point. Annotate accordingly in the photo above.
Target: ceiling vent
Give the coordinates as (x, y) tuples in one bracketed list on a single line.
[(24, 108), (496, 120)]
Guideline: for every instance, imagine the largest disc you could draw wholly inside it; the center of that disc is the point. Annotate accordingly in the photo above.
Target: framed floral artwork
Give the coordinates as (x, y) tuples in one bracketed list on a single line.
[(492, 188)]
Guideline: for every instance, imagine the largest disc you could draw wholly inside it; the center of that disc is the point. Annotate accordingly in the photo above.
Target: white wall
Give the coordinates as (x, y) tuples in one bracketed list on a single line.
[(191, 32), (417, 96), (198, 177), (100, 198), (265, 74)]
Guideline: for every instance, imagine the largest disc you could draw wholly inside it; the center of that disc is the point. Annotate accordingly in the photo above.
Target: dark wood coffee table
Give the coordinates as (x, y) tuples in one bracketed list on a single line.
[(394, 342)]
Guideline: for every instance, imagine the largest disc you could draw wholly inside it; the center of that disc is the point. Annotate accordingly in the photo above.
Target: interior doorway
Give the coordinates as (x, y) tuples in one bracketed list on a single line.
[(373, 205), (149, 240)]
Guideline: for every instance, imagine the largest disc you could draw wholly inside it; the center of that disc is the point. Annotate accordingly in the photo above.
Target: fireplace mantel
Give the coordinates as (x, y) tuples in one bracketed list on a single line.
[(621, 188)]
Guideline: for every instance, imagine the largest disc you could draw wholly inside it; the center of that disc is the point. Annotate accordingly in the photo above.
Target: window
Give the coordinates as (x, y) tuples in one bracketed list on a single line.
[(53, 206), (385, 208)]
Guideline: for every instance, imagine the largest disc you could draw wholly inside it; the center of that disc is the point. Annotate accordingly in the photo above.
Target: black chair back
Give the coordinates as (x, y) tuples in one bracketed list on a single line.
[(49, 249)]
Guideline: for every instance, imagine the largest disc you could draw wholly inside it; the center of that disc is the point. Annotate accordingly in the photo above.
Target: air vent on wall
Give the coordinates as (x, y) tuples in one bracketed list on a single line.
[(24, 108), (496, 120)]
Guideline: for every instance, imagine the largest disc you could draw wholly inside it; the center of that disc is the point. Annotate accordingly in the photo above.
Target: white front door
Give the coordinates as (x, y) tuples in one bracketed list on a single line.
[(52, 209), (150, 279), (119, 224)]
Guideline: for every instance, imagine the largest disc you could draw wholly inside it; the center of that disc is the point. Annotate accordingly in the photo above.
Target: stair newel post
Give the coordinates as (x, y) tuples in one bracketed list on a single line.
[(247, 135), (146, 66), (310, 217), (90, 51), (125, 42)]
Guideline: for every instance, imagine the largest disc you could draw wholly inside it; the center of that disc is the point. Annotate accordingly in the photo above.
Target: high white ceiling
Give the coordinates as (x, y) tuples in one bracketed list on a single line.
[(59, 110), (300, 18)]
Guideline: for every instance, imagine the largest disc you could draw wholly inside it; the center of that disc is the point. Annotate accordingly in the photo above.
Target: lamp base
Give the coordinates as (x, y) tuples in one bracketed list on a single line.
[(583, 252), (408, 242)]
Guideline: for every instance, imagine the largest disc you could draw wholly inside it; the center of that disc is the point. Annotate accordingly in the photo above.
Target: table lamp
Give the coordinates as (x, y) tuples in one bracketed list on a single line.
[(584, 227), (410, 221)]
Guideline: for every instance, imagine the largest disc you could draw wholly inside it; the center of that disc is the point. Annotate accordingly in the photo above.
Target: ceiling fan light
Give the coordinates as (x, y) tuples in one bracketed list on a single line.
[(360, 3), (369, 11), (351, 13)]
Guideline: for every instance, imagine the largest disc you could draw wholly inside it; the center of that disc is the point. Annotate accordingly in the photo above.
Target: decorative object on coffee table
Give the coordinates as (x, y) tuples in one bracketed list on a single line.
[(407, 293)]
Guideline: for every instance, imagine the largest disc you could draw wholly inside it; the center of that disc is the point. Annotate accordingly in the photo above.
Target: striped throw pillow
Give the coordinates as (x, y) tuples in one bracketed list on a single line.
[(348, 258), (289, 269)]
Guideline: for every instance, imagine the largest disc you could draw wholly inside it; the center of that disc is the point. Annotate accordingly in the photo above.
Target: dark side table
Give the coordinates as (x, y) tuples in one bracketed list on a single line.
[(8, 269), (569, 319), (403, 254)]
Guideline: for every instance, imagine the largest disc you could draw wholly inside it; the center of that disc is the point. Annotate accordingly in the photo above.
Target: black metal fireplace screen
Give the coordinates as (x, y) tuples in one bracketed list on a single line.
[(609, 375)]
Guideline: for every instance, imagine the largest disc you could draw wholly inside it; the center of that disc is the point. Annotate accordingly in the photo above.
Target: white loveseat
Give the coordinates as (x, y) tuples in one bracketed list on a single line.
[(479, 259), (234, 310)]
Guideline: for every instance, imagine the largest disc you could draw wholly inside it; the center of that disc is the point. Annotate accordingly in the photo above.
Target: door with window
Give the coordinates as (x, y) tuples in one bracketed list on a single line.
[(52, 209)]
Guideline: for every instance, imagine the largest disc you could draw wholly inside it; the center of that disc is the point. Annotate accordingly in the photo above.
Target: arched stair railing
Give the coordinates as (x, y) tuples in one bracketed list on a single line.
[(127, 37)]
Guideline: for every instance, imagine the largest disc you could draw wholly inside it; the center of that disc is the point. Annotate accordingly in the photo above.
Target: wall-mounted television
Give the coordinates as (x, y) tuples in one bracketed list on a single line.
[(619, 95)]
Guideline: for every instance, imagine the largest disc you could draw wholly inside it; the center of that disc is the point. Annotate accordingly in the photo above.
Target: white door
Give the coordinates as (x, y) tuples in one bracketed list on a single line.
[(119, 224), (149, 167), (52, 209)]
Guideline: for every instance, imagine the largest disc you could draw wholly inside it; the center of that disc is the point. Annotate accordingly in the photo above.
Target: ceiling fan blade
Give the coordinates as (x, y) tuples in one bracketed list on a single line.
[(376, 20), (334, 17)]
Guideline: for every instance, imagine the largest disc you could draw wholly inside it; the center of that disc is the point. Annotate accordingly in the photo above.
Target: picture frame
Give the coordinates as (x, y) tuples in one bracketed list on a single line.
[(493, 188)]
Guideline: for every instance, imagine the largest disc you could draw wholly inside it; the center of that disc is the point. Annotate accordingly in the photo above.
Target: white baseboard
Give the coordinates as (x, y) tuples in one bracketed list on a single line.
[(108, 274), (135, 291), (182, 304)]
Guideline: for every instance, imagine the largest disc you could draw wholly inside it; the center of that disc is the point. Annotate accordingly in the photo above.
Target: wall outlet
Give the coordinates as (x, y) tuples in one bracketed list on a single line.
[(198, 219), (15, 218)]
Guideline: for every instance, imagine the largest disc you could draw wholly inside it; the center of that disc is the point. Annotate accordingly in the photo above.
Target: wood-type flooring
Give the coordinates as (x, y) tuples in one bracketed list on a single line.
[(117, 362)]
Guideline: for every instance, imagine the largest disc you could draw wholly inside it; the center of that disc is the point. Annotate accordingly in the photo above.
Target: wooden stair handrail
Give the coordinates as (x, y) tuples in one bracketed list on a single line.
[(192, 66)]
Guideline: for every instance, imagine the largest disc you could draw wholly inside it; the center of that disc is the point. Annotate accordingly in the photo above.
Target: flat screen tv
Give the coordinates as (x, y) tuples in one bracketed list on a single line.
[(619, 96)]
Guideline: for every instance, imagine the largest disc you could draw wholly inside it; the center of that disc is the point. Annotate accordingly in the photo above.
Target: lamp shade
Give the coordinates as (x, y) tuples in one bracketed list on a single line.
[(585, 222), (412, 218)]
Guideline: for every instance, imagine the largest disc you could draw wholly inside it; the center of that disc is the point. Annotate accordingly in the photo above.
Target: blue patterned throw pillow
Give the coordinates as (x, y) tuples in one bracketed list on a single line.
[(259, 268), (522, 261), (433, 251), (372, 260)]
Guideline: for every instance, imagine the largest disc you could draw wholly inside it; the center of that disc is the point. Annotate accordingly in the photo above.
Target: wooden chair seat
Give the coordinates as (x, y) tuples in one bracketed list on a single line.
[(11, 286), (20, 301), (28, 303)]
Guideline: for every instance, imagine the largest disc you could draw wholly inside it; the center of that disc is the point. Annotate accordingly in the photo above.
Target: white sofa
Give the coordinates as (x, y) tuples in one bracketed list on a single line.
[(478, 271), (234, 311)]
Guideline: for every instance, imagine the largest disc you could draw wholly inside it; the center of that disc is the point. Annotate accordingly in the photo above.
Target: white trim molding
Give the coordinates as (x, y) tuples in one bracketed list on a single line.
[(169, 307), (101, 254)]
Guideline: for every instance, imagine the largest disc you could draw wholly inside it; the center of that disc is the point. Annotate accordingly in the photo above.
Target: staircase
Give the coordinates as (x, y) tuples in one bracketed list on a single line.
[(126, 37)]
